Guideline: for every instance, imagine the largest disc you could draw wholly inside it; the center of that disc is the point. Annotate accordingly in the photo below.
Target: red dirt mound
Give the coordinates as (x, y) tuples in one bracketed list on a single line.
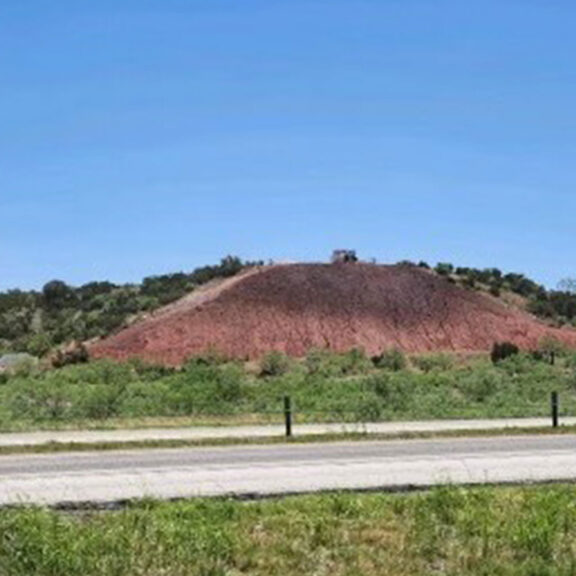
[(292, 308)]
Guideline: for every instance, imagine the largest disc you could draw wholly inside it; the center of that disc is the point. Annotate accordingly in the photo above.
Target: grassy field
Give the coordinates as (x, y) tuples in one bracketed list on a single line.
[(525, 531), (323, 387)]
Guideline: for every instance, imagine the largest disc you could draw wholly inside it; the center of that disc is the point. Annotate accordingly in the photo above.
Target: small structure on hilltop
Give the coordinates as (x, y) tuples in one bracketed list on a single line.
[(344, 256)]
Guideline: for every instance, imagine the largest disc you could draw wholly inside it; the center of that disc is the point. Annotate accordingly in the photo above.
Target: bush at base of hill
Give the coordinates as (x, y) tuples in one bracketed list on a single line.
[(518, 386), (503, 350), (274, 364), (393, 359)]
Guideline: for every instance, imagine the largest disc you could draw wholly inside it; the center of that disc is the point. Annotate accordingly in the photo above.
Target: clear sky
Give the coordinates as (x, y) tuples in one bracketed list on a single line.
[(148, 136)]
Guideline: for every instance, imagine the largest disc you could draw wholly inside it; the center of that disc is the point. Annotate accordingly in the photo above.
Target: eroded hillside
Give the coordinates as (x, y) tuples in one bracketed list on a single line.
[(292, 308)]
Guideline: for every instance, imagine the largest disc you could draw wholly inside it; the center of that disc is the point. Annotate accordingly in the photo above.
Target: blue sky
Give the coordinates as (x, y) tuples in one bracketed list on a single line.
[(140, 137)]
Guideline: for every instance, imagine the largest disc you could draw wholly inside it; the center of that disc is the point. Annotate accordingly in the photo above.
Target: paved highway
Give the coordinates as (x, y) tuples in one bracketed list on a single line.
[(102, 477)]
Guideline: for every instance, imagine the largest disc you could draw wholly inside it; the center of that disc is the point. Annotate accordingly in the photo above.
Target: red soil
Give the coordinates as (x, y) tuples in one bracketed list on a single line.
[(292, 308)]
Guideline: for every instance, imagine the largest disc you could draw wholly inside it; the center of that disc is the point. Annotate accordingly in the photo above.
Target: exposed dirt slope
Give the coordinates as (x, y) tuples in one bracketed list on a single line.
[(294, 307)]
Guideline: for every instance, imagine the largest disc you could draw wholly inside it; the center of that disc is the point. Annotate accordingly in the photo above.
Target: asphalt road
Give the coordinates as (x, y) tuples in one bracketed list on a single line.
[(102, 477)]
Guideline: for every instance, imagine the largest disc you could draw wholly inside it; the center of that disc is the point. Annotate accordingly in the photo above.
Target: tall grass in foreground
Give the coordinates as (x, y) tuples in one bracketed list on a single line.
[(449, 531)]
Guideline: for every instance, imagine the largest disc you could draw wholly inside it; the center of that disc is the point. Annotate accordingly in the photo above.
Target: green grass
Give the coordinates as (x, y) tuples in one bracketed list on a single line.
[(323, 387), (508, 531)]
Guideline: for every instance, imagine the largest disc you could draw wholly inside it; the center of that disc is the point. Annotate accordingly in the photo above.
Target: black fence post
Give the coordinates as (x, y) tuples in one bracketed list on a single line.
[(554, 405), (288, 415)]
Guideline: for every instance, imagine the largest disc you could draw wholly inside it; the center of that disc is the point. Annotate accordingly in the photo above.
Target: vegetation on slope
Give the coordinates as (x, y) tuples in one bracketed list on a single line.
[(480, 531), (36, 322), (324, 387), (558, 306)]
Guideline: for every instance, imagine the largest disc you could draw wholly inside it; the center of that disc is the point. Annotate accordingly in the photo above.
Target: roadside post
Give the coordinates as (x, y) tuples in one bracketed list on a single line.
[(288, 415), (554, 406)]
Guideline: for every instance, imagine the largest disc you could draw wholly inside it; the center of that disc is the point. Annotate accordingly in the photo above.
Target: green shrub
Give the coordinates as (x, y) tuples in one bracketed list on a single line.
[(100, 402), (444, 269), (355, 361), (368, 410), (47, 399), (392, 359), (150, 372), (227, 386), (428, 363), (551, 348), (206, 389), (39, 345), (274, 364), (104, 372), (210, 358), (323, 362), (393, 393), (149, 399), (320, 361), (503, 350), (478, 386)]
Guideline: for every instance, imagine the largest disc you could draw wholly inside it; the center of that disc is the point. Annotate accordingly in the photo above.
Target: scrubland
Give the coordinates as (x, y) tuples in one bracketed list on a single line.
[(324, 387)]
